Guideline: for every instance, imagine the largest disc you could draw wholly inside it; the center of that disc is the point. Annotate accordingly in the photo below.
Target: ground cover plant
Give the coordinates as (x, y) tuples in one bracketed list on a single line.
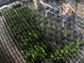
[(26, 37), (32, 45)]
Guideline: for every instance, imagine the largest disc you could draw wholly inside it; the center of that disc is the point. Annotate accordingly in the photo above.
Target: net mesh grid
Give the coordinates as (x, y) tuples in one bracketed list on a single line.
[(9, 51)]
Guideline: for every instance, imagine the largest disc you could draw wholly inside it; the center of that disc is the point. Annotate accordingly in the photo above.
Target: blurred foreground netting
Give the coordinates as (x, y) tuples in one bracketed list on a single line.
[(37, 38), (9, 52)]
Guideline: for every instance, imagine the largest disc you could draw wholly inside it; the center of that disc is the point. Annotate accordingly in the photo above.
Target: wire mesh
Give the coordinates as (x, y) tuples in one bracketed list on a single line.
[(48, 31)]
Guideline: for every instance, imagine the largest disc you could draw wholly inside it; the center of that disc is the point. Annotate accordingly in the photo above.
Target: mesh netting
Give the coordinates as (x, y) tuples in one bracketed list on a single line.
[(26, 35)]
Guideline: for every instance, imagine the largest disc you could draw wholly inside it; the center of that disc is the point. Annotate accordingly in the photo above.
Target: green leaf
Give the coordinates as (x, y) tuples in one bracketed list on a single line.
[(29, 33), (62, 51), (66, 51), (33, 55)]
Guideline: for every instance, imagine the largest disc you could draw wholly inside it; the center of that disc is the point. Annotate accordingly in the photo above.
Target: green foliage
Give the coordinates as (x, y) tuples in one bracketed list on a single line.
[(33, 48), (37, 52), (61, 53)]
